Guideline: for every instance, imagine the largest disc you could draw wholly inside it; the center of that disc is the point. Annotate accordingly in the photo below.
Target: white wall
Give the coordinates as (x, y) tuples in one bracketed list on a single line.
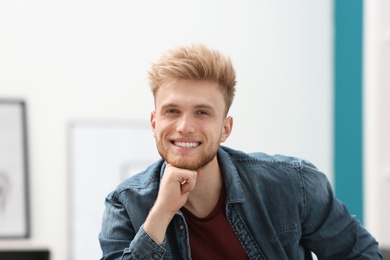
[(87, 59), (377, 119)]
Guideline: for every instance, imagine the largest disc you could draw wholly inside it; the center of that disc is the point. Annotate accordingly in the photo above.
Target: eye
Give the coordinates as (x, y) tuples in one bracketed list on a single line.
[(202, 112), (171, 111)]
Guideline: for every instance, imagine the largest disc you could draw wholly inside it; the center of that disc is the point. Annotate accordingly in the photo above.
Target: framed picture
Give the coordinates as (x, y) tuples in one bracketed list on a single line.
[(107, 153), (14, 204)]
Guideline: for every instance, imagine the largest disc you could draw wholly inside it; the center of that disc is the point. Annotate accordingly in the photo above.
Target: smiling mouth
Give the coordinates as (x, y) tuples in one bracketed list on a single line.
[(186, 144)]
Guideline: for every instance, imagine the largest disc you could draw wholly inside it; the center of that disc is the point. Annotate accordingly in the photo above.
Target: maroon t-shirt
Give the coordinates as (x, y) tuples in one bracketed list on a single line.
[(212, 237)]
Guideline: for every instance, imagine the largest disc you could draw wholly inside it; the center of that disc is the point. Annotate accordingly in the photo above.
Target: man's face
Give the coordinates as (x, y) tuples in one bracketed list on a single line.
[(189, 122)]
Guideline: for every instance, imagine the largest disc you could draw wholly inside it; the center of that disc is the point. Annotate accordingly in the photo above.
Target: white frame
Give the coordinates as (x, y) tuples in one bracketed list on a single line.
[(101, 155)]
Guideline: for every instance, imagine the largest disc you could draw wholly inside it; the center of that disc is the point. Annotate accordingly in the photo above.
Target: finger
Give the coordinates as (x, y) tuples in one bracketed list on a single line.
[(186, 187), (188, 184)]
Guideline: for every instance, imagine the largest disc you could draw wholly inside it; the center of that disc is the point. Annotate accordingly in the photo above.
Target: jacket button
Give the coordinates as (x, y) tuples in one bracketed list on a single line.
[(155, 256)]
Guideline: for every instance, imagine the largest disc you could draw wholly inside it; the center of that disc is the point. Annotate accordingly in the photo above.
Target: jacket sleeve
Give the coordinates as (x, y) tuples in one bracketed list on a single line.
[(328, 229), (119, 240)]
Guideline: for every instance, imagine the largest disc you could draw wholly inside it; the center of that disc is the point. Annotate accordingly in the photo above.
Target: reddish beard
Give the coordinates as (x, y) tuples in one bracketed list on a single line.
[(183, 161)]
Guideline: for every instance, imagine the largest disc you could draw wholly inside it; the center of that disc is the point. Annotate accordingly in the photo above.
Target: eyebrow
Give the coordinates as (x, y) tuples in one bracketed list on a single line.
[(199, 106), (169, 105), (204, 106)]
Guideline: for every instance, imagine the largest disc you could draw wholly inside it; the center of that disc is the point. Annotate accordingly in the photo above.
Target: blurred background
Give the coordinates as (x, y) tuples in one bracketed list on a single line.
[(312, 76)]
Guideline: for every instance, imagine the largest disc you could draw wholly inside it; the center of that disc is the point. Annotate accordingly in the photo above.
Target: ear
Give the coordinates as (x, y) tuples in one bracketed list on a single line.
[(227, 128), (153, 122)]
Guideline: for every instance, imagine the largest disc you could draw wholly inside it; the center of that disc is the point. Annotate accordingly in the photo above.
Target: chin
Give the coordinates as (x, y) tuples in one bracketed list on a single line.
[(190, 163), (193, 166)]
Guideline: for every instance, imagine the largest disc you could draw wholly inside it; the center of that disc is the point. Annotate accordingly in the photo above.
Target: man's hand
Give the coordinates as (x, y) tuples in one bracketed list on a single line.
[(176, 184)]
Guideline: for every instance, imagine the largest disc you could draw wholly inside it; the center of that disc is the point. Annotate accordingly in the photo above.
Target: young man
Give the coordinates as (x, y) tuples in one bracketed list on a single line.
[(205, 201)]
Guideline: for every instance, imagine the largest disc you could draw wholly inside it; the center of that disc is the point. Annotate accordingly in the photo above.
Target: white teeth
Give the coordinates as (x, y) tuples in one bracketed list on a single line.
[(186, 145)]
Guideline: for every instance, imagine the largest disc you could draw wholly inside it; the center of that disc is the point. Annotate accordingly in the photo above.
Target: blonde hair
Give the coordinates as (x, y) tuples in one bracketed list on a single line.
[(196, 62)]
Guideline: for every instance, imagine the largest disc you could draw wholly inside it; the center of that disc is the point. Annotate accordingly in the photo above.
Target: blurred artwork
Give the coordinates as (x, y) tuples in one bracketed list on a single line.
[(4, 189), (102, 154), (13, 170)]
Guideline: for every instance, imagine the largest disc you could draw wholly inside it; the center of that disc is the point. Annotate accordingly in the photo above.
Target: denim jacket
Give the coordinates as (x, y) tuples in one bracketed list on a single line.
[(279, 207)]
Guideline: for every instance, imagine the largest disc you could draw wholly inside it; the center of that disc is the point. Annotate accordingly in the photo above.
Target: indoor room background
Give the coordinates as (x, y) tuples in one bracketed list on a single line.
[(312, 82)]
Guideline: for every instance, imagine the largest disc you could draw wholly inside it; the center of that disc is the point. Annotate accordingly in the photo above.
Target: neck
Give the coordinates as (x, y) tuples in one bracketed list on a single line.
[(202, 200)]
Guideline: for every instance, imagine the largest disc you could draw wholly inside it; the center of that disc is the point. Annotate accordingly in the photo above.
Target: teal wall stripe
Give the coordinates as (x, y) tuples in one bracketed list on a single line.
[(348, 154)]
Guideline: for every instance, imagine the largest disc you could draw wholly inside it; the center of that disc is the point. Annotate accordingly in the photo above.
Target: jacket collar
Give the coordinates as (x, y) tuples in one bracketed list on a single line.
[(234, 190)]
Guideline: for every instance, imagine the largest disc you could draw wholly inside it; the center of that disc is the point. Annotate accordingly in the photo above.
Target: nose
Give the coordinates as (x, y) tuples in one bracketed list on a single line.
[(185, 124)]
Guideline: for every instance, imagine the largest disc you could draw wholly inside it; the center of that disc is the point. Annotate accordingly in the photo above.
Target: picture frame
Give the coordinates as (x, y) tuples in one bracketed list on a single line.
[(107, 152), (14, 203)]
